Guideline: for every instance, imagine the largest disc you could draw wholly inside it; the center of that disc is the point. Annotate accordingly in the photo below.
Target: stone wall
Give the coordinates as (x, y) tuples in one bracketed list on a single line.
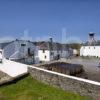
[(66, 82), (4, 78)]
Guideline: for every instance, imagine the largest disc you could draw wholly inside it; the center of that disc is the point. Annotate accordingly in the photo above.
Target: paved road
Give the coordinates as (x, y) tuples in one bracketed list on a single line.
[(90, 67)]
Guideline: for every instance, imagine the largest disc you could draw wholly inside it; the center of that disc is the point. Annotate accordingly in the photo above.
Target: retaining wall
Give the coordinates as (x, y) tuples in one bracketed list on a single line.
[(66, 82)]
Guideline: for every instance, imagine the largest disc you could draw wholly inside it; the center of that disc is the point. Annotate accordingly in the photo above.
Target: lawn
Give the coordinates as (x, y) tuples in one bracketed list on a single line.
[(31, 89)]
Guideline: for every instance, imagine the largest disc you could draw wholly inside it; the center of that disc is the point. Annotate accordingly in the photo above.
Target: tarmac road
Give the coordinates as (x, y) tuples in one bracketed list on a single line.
[(90, 66)]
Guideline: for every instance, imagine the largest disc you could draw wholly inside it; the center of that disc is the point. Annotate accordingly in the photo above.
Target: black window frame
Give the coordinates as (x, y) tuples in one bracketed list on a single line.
[(43, 51), (23, 45), (45, 57)]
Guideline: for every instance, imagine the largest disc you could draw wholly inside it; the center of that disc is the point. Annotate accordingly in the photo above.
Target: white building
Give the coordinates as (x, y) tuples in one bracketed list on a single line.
[(45, 53), (90, 51), (75, 52), (54, 52)]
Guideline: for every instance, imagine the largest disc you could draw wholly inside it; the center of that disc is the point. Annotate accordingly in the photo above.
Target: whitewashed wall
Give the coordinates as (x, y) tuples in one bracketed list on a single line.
[(49, 57), (75, 52), (42, 55), (90, 51)]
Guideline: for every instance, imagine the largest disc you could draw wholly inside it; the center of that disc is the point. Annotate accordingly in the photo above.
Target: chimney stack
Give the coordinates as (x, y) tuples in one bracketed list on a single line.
[(51, 43)]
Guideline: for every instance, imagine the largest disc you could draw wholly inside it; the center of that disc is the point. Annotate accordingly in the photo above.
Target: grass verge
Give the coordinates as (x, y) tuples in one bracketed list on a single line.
[(31, 89)]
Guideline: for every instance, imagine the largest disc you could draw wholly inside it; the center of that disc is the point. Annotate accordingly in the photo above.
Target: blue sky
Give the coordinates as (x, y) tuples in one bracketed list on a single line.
[(44, 18)]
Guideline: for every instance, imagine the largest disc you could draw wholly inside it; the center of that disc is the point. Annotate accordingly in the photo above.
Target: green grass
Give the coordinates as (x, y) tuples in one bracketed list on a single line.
[(31, 89)]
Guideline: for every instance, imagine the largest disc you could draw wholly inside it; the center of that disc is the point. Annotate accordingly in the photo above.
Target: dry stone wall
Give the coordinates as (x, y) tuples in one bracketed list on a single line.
[(67, 83), (4, 78)]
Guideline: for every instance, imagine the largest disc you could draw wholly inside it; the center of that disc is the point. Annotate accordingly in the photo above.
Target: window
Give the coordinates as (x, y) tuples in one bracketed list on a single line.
[(29, 51), (52, 53), (1, 52), (89, 47), (43, 51), (94, 47), (45, 57), (23, 44)]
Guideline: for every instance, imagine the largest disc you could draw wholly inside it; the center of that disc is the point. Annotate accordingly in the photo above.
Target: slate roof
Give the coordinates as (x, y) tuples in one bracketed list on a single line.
[(14, 50), (2, 45), (54, 46)]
